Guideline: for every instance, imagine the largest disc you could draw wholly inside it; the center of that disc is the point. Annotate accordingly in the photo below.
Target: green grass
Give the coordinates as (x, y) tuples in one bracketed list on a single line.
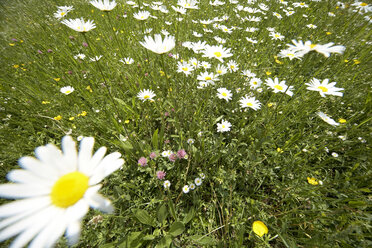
[(256, 171)]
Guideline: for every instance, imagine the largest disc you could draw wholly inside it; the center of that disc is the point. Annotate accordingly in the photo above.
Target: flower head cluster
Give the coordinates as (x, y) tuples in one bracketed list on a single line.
[(299, 49), (62, 11)]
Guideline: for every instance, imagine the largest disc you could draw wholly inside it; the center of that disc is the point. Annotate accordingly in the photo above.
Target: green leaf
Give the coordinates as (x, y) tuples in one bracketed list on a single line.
[(126, 106), (171, 209), (143, 217), (164, 242), (176, 228), (155, 142), (162, 213), (189, 216), (148, 237), (203, 240), (133, 240)]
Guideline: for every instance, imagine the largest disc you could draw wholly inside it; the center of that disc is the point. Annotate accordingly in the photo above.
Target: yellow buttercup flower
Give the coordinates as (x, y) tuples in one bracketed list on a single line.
[(57, 118), (259, 228), (56, 79), (312, 181), (268, 73), (341, 120)]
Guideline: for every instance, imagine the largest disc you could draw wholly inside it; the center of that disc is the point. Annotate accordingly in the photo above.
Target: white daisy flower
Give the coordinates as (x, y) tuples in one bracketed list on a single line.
[(158, 45), (79, 25), (224, 93), (188, 4), (255, 83), (324, 88), (192, 186), (217, 52), (145, 95), (250, 102), (184, 67), (141, 15), (327, 119), (279, 86), (232, 66), (55, 192), (198, 181), (166, 184), (224, 126), (67, 90), (166, 154), (208, 77), (62, 11), (127, 61), (104, 5), (80, 56), (180, 10), (221, 69), (186, 189)]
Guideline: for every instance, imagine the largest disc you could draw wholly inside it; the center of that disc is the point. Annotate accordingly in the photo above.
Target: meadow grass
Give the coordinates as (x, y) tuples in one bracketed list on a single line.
[(308, 181)]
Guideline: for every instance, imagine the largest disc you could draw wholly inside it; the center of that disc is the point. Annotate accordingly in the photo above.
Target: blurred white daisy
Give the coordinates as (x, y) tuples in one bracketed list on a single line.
[(277, 86), (55, 192), (198, 181), (157, 45), (224, 126), (141, 15), (255, 83), (166, 184), (224, 93), (62, 11), (104, 5), (250, 102), (327, 119), (185, 68), (127, 61), (324, 88), (67, 90), (188, 4), (192, 186), (79, 56), (186, 189), (217, 52), (221, 69), (145, 95), (79, 25)]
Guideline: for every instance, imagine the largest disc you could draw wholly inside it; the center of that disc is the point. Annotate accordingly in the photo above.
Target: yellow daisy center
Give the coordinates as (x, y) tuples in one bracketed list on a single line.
[(208, 78), (185, 68), (255, 83), (324, 89), (146, 97), (224, 94), (69, 189), (278, 87), (68, 91), (363, 4), (223, 126), (312, 46), (63, 13), (249, 104), (302, 3), (218, 54)]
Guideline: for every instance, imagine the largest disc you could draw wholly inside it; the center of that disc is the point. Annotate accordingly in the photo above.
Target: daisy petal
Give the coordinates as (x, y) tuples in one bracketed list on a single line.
[(73, 232), (14, 191), (20, 206), (101, 203)]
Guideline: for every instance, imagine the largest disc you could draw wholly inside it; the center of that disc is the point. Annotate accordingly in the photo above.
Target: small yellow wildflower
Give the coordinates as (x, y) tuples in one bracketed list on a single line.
[(341, 120), (268, 73), (98, 38), (279, 150), (328, 33), (277, 61), (71, 118), (126, 121), (89, 88), (16, 66), (11, 44), (312, 181), (56, 79), (162, 73), (346, 60), (57, 118), (45, 102), (356, 61), (259, 228), (83, 113)]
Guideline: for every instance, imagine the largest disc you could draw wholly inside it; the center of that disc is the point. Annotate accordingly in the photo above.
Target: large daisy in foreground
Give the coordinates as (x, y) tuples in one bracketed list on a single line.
[(56, 190)]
